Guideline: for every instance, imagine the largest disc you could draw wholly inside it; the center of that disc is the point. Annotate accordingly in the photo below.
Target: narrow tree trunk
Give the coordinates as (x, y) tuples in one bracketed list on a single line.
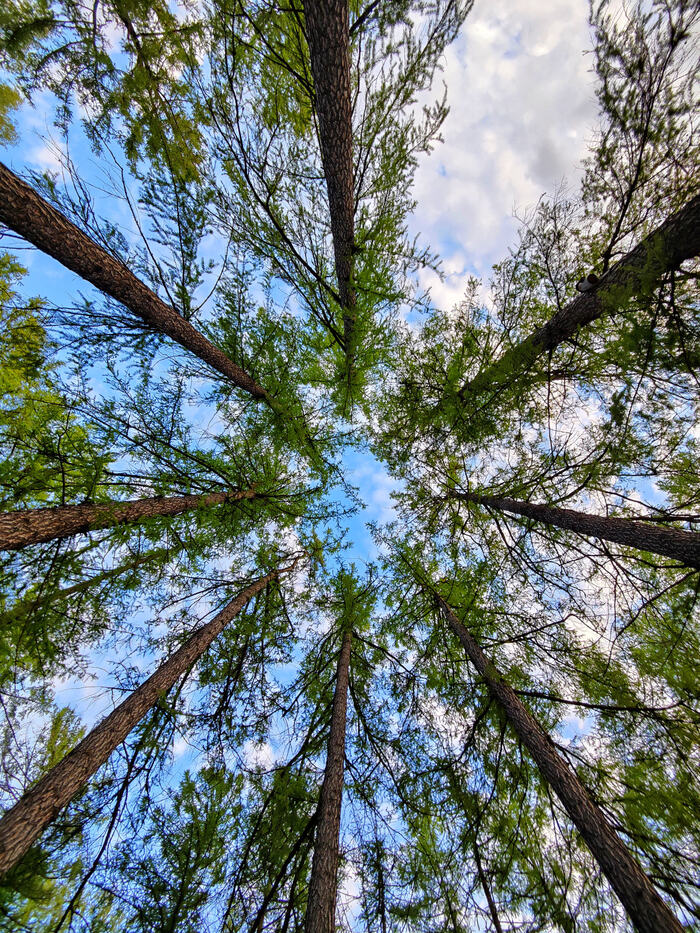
[(328, 35), (320, 911), (34, 526), (39, 600), (23, 210), (636, 273), (645, 907), (381, 888), (683, 546), (22, 825), (487, 889)]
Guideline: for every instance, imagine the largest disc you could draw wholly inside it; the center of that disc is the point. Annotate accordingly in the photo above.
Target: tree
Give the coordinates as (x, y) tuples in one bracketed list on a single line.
[(354, 605), (328, 34), (324, 751), (643, 904), (34, 526), (641, 269), (320, 912), (21, 825), (669, 542)]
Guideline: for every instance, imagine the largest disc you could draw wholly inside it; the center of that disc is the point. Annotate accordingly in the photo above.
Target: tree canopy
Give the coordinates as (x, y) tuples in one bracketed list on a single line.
[(216, 714)]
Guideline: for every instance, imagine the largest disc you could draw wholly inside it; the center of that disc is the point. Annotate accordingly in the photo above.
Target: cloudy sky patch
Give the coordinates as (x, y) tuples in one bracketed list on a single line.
[(522, 113)]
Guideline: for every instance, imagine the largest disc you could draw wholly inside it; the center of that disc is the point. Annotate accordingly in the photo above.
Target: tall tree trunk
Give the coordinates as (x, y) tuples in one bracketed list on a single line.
[(638, 272), (22, 824), (683, 546), (34, 526), (23, 210), (328, 35), (645, 907), (320, 911)]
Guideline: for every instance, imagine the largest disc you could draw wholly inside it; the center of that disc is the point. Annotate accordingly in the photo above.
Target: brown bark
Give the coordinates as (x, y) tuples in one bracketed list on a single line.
[(677, 239), (22, 824), (34, 526), (23, 210), (320, 910), (683, 546), (645, 907), (328, 35)]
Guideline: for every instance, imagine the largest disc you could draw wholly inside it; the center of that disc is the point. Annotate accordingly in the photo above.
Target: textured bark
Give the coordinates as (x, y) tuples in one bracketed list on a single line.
[(683, 546), (638, 272), (22, 825), (34, 526), (328, 35), (320, 911), (23, 210), (645, 907)]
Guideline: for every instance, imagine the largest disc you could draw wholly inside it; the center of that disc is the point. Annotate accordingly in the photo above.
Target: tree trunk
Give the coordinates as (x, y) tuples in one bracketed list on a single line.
[(23, 210), (636, 273), (320, 911), (34, 526), (37, 601), (328, 35), (381, 888), (683, 546), (645, 907), (486, 887), (22, 824)]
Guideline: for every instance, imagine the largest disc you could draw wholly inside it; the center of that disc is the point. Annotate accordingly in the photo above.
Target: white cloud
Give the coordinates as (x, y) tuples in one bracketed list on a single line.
[(180, 747), (375, 487), (258, 754), (47, 156), (522, 109)]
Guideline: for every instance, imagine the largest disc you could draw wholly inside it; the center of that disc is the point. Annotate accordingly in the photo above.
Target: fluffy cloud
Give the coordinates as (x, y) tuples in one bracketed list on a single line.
[(522, 110)]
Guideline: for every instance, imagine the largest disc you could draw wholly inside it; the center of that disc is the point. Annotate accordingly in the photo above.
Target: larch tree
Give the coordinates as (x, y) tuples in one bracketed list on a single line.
[(492, 723)]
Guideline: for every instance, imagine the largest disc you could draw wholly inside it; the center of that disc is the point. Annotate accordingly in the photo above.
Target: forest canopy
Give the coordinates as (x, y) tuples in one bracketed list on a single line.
[(229, 700)]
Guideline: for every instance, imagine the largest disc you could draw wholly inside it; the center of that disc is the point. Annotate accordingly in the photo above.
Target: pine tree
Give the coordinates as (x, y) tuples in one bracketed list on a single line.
[(642, 902), (324, 750), (320, 912), (21, 825), (683, 546), (35, 526)]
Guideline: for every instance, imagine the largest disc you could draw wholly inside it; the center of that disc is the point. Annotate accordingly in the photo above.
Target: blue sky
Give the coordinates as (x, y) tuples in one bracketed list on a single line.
[(522, 115), (522, 111)]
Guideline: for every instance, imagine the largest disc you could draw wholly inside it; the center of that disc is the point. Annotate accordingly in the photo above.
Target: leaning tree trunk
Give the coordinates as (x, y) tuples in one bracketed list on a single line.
[(32, 603), (22, 825), (677, 239), (328, 35), (23, 210), (320, 911), (34, 526), (683, 546), (645, 907), (486, 887)]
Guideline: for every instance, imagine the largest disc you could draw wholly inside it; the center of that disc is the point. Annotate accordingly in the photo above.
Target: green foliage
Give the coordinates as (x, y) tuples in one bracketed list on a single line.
[(204, 819), (10, 99), (178, 865), (47, 453), (34, 891)]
